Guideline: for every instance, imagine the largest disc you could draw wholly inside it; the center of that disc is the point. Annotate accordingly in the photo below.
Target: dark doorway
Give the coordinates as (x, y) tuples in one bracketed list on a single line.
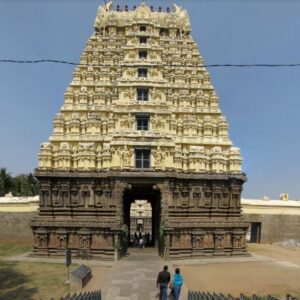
[(255, 232), (150, 194)]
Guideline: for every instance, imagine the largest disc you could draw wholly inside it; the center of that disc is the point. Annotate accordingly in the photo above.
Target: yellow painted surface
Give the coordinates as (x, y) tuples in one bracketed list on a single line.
[(96, 126), (18, 208), (265, 210)]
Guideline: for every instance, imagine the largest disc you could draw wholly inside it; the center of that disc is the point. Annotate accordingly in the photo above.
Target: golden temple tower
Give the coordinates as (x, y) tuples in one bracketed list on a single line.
[(140, 120)]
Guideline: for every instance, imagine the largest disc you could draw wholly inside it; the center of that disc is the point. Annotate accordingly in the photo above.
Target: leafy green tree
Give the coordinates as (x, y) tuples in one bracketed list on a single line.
[(25, 185), (20, 185), (6, 182), (33, 184)]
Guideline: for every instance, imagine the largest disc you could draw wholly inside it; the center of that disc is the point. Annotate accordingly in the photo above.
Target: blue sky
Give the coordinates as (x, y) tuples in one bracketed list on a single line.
[(261, 104)]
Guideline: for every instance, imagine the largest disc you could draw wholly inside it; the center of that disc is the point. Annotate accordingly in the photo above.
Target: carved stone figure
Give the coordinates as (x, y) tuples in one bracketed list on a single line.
[(127, 122), (158, 155), (156, 94), (125, 156)]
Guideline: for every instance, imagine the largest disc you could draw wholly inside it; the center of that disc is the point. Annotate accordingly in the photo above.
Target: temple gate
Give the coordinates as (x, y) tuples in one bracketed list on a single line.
[(140, 120)]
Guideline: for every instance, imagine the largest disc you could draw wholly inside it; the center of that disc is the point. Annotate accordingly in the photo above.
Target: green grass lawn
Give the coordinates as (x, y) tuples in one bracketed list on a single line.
[(32, 281), (10, 249)]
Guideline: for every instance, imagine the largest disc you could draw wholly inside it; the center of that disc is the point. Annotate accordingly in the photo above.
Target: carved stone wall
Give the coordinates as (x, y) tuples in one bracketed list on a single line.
[(201, 216)]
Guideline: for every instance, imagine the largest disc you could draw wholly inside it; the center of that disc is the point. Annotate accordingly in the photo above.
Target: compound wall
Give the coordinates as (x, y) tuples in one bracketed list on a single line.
[(15, 226)]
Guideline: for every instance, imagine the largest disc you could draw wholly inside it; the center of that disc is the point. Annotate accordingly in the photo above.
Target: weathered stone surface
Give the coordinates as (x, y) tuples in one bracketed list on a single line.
[(140, 64), (15, 226), (275, 227)]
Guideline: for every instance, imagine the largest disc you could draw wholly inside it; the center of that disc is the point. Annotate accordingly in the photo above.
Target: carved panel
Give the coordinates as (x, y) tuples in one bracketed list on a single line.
[(209, 240)]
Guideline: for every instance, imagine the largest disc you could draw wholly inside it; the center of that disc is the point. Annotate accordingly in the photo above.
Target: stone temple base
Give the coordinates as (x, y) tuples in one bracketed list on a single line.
[(193, 215), (85, 239), (208, 241)]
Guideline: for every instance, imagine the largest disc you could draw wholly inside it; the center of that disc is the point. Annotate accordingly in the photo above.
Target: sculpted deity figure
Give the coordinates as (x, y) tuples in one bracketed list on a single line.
[(154, 73), (131, 55), (206, 95), (129, 93), (157, 122), (127, 122), (125, 156), (151, 41), (156, 94), (206, 78), (158, 155), (152, 56), (130, 72)]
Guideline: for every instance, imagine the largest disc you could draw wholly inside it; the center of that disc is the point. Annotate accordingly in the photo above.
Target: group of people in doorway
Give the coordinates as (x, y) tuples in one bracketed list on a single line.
[(141, 240), (164, 281)]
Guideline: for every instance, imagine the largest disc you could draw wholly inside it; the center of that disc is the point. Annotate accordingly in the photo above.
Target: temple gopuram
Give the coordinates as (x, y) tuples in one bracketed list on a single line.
[(140, 120)]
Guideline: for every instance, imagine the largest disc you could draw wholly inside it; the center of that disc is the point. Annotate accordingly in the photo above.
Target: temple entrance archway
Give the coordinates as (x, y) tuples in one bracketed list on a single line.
[(140, 221), (151, 195)]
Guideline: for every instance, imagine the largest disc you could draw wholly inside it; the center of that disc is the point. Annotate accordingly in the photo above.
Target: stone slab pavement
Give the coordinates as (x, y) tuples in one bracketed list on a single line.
[(134, 277)]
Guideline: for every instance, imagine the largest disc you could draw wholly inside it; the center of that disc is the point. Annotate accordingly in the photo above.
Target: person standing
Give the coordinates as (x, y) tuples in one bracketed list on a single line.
[(162, 282), (141, 243), (177, 283)]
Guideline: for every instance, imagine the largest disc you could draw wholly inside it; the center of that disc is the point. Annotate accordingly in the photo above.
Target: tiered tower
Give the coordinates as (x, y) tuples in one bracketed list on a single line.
[(140, 120)]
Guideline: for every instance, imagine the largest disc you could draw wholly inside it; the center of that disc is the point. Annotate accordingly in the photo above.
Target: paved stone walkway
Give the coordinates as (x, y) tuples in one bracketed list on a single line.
[(134, 278)]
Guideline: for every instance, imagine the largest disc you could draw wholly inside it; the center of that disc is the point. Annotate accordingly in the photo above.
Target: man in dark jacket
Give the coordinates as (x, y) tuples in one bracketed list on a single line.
[(163, 280)]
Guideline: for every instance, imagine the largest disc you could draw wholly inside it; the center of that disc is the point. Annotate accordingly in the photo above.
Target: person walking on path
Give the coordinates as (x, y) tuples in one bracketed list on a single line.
[(162, 282), (177, 283)]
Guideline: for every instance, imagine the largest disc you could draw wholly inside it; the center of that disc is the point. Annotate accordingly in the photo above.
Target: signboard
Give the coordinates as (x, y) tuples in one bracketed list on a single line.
[(68, 257)]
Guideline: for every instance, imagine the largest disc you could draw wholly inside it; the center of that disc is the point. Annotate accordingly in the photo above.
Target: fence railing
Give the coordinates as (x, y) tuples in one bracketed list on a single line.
[(96, 295), (194, 295)]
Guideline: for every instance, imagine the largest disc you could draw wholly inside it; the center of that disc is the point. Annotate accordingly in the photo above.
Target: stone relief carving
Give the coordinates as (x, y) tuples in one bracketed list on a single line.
[(125, 157), (129, 93), (159, 156), (157, 122), (127, 122)]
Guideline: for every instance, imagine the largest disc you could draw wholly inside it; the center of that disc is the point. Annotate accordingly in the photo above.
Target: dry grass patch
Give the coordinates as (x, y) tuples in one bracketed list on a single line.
[(32, 281), (13, 248)]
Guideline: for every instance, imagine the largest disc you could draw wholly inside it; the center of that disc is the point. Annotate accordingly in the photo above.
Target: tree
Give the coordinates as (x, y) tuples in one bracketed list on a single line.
[(33, 185), (6, 182), (25, 185), (20, 185)]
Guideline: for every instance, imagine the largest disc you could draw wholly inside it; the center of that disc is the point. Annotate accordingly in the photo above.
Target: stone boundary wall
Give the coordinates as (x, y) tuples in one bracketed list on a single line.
[(280, 220), (15, 216), (276, 228), (15, 226)]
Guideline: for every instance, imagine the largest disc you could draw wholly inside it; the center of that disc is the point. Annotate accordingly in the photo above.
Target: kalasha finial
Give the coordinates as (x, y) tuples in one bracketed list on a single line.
[(126, 7), (151, 8), (134, 7), (160, 9), (118, 8), (168, 9)]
